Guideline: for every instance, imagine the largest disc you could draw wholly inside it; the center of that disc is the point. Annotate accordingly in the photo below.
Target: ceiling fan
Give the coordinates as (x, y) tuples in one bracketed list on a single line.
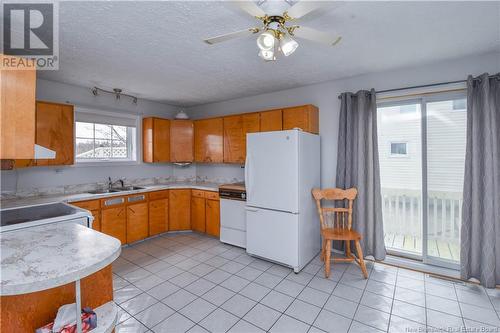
[(276, 32)]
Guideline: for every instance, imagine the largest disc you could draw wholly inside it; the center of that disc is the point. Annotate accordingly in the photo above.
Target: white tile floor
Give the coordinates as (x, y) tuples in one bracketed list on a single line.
[(189, 282)]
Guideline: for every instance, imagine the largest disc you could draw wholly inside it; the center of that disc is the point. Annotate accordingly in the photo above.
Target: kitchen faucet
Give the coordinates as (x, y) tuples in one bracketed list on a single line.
[(111, 183)]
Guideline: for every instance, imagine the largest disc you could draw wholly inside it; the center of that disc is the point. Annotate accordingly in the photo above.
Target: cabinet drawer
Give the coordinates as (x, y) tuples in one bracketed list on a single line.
[(198, 193), (158, 195), (112, 202), (212, 195), (88, 205), (136, 198)]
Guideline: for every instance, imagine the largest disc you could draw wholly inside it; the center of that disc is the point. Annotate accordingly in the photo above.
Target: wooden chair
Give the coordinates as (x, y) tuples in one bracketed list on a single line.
[(336, 223)]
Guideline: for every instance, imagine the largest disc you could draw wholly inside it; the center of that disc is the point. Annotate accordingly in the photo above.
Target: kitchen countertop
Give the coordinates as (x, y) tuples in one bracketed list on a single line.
[(39, 200), (49, 256)]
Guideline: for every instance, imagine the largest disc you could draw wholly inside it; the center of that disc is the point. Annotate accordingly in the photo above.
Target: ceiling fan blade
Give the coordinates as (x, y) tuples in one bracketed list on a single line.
[(316, 35), (305, 7), (231, 35), (250, 7)]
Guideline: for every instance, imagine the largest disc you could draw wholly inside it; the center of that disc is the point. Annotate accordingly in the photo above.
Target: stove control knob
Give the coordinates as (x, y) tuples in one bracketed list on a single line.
[(243, 196)]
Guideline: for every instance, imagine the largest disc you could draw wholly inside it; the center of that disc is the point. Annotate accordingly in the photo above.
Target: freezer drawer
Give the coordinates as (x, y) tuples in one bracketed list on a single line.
[(273, 235)]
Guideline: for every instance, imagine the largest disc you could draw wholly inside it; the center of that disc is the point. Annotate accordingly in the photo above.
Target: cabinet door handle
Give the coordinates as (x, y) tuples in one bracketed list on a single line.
[(120, 212), (136, 198), (114, 201), (133, 211)]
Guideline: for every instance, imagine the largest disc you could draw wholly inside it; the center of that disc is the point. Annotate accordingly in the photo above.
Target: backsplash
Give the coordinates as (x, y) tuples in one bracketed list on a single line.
[(80, 188)]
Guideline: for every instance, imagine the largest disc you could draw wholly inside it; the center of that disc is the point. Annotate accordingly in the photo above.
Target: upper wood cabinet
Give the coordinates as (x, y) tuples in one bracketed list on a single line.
[(55, 127), (181, 141), (155, 140), (208, 140), (271, 120), (235, 132), (17, 111), (305, 117), (179, 209)]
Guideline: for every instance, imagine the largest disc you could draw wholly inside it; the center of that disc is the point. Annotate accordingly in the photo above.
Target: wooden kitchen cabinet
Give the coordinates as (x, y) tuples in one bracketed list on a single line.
[(212, 216), (55, 130), (17, 105), (94, 207), (179, 212), (181, 141), (96, 225), (158, 212), (235, 131), (114, 218), (271, 120), (137, 217), (155, 140), (305, 117), (198, 213), (208, 140)]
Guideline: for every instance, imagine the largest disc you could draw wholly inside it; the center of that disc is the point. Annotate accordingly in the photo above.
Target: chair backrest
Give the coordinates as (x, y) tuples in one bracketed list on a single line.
[(335, 217)]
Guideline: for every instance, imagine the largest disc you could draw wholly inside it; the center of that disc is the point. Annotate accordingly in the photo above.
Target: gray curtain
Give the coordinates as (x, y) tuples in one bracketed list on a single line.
[(358, 166), (480, 237)]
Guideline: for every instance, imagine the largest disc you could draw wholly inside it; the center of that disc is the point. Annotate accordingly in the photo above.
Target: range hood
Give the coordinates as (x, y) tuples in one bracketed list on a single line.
[(44, 153)]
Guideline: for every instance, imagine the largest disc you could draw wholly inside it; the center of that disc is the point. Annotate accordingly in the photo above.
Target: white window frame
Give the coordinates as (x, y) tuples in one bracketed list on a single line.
[(101, 114), (399, 155)]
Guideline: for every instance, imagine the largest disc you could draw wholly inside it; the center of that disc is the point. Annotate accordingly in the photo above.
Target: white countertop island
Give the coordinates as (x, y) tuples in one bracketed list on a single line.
[(38, 259), (49, 256)]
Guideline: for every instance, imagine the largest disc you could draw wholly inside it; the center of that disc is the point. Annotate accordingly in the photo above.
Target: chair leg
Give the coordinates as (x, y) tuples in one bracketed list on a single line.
[(322, 254), (328, 251), (361, 260), (348, 248)]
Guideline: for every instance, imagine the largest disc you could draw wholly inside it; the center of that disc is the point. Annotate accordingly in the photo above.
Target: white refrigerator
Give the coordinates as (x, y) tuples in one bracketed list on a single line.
[(281, 169)]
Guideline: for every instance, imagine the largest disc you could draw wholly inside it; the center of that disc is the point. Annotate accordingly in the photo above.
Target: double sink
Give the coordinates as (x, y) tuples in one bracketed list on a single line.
[(116, 189)]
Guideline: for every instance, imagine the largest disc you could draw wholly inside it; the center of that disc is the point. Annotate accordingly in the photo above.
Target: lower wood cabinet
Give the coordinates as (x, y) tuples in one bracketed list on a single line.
[(205, 212), (179, 213), (158, 212), (198, 213), (94, 207), (212, 216), (96, 225), (114, 222), (137, 218)]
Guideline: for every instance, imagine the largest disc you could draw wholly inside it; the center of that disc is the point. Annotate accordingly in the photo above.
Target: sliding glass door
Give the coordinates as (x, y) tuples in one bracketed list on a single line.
[(422, 156)]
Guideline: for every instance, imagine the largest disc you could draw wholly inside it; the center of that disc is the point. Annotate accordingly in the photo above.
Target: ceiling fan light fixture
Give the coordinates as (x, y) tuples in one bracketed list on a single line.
[(288, 45), (266, 40), (267, 55)]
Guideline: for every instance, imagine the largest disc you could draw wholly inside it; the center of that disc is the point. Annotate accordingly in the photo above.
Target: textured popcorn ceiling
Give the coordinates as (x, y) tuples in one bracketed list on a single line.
[(155, 49)]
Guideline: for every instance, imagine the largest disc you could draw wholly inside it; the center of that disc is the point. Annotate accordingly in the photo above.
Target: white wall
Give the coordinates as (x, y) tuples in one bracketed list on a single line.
[(324, 95), (49, 177)]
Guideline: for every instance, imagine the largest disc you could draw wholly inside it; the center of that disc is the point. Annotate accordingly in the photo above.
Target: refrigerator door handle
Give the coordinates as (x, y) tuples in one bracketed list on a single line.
[(251, 210), (247, 175)]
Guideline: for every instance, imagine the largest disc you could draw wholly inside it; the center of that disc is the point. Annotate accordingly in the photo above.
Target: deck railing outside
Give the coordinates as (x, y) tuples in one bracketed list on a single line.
[(402, 212)]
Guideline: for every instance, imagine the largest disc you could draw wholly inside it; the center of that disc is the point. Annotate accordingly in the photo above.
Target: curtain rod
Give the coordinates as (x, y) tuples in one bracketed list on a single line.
[(428, 85)]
